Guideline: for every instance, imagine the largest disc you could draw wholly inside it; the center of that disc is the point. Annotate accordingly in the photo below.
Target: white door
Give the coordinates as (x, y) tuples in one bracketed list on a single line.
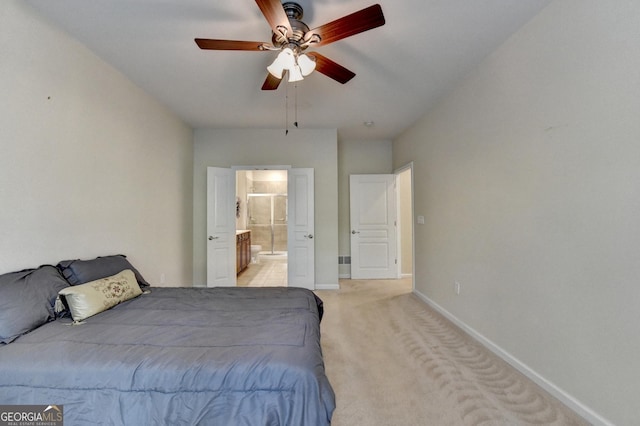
[(300, 233), (373, 226), (221, 227)]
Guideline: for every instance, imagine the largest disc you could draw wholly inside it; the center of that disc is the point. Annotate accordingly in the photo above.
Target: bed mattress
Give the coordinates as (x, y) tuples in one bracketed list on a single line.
[(179, 356)]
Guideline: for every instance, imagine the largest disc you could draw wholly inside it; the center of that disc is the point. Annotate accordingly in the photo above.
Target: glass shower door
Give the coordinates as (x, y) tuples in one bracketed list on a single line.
[(268, 221), (279, 223)]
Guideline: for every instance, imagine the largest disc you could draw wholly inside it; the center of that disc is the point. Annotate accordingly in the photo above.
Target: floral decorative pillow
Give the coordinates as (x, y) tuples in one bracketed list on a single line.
[(86, 300)]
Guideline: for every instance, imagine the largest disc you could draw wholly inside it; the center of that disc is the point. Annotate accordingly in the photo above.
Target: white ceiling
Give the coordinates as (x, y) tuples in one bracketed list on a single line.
[(402, 68)]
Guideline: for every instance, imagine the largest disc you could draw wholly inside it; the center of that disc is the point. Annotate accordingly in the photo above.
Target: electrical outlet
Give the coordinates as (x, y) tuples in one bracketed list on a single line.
[(162, 278), (457, 288)]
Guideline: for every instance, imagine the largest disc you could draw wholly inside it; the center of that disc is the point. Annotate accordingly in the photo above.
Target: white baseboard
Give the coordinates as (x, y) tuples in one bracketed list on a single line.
[(348, 276), (571, 402), (327, 286)]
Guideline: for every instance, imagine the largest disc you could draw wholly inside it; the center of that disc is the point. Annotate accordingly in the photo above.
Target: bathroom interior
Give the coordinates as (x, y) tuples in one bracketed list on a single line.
[(261, 207)]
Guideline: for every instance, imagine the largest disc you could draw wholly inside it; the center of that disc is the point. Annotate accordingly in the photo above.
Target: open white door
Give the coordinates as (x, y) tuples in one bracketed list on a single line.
[(373, 226), (221, 227), (301, 247)]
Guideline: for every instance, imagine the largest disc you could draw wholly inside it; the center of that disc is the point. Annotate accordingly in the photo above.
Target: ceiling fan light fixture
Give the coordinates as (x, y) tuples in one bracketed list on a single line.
[(295, 74), (307, 65), (275, 70), (284, 61)]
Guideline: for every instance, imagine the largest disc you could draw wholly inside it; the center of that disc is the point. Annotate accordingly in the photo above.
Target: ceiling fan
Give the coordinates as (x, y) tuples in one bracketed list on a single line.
[(291, 38)]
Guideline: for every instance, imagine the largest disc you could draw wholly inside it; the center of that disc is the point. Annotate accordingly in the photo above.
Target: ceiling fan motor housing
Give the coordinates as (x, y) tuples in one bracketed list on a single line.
[(295, 13), (293, 10)]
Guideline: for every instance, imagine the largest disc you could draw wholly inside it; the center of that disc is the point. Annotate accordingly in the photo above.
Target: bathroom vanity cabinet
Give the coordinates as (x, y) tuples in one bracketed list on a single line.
[(243, 250)]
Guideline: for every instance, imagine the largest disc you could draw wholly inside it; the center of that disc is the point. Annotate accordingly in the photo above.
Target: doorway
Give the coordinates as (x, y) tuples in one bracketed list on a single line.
[(404, 180), (381, 219), (262, 209), (224, 210)]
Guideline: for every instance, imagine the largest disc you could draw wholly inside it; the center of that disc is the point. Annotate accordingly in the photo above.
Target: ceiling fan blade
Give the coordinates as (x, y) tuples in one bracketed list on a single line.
[(275, 15), (271, 82), (358, 22), (211, 44), (332, 69)]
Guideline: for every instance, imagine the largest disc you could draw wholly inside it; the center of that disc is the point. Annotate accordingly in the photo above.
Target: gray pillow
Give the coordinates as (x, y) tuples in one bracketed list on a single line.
[(27, 300), (83, 271)]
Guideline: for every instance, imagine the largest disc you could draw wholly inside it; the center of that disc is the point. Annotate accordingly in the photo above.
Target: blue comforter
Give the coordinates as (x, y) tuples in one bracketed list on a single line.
[(179, 356)]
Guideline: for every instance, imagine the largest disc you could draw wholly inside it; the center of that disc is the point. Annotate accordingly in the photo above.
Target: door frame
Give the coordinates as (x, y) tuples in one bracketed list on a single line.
[(397, 172)]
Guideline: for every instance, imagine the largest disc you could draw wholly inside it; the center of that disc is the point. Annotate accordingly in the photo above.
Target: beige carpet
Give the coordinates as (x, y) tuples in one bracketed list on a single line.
[(392, 360)]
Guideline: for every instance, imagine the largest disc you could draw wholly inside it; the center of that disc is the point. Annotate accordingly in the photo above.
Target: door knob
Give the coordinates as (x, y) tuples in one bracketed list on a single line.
[(309, 236), (212, 238), (355, 232)]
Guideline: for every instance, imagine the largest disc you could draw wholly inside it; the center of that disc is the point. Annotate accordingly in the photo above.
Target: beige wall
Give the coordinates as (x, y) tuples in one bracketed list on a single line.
[(527, 175), (90, 164), (357, 157), (301, 148)]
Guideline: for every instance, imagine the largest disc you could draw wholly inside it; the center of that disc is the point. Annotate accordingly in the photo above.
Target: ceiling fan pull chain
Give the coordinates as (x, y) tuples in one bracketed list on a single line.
[(286, 109), (295, 105)]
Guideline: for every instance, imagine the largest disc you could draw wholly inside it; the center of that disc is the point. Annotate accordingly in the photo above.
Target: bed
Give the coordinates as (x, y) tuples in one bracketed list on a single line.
[(178, 356)]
